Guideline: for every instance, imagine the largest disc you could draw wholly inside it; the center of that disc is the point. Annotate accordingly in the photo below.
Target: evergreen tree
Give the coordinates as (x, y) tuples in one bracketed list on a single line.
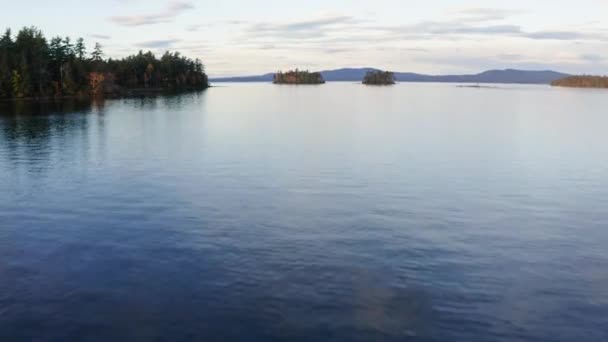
[(97, 53), (68, 48), (80, 49), (6, 47), (57, 50)]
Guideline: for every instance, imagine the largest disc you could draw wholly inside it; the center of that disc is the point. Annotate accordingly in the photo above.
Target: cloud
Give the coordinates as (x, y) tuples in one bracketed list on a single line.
[(340, 34), (100, 36), (158, 44), (268, 47), (318, 23), (593, 58), (193, 28), (485, 14), (444, 29), (337, 50), (301, 28), (173, 9), (458, 27), (344, 28), (564, 35), (510, 57)]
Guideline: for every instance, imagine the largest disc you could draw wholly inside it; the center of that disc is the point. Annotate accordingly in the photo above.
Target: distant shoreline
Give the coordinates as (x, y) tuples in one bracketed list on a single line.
[(396, 82), (585, 81), (507, 76)]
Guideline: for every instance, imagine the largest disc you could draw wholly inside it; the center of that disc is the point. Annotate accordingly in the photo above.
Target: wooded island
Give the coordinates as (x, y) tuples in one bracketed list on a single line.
[(298, 77), (379, 77), (32, 67)]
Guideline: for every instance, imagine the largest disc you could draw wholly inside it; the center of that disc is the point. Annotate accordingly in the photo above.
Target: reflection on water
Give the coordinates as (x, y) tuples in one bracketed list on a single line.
[(255, 212), (48, 107), (33, 132)]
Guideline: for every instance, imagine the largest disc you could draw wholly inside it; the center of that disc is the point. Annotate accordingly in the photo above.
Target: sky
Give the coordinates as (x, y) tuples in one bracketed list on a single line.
[(248, 37)]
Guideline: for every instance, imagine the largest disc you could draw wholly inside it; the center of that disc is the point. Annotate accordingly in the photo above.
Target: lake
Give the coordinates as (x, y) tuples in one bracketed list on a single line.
[(254, 212)]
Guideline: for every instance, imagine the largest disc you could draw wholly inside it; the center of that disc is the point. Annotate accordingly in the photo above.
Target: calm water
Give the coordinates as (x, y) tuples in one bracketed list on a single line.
[(254, 212)]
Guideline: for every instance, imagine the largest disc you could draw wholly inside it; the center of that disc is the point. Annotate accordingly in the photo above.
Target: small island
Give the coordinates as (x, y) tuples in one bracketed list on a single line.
[(298, 77), (582, 82), (379, 77), (34, 68)]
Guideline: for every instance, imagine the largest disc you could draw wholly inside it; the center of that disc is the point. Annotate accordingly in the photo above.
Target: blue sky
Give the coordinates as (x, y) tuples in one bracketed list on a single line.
[(237, 37)]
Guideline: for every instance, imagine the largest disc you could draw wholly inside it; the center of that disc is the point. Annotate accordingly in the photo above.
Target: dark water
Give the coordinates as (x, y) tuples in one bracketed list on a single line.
[(332, 213)]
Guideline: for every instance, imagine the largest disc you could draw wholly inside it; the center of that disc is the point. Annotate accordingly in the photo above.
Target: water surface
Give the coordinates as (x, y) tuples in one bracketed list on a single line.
[(254, 212)]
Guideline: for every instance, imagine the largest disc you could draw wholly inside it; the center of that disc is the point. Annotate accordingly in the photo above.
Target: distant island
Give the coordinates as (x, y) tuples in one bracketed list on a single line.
[(582, 82), (357, 74), (33, 68), (378, 77), (298, 77)]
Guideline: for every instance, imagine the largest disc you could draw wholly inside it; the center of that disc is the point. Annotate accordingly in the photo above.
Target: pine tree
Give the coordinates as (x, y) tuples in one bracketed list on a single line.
[(68, 47), (57, 50), (80, 49), (6, 46), (97, 53)]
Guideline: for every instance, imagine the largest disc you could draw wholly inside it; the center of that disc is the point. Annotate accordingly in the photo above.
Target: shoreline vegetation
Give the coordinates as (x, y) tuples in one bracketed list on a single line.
[(298, 77), (379, 77), (32, 68), (584, 81)]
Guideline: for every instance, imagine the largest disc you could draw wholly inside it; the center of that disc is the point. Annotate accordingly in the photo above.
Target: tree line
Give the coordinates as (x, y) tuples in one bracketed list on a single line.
[(584, 81), (32, 66)]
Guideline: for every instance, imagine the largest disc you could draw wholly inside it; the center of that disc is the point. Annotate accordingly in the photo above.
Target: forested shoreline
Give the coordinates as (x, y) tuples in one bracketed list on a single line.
[(33, 67), (584, 81)]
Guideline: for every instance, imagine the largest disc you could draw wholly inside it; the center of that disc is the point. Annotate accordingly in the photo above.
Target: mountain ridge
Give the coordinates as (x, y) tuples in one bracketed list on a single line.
[(513, 76)]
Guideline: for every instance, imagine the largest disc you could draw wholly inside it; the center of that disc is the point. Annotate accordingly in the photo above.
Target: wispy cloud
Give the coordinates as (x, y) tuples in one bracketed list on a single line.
[(456, 27), (565, 35), (510, 57), (462, 24), (593, 58), (158, 44), (318, 23), (301, 28), (173, 9), (337, 50), (100, 36), (485, 14), (193, 28)]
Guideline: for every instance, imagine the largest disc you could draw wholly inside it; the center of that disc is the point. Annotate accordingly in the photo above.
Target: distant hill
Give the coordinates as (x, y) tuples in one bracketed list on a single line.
[(490, 76)]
